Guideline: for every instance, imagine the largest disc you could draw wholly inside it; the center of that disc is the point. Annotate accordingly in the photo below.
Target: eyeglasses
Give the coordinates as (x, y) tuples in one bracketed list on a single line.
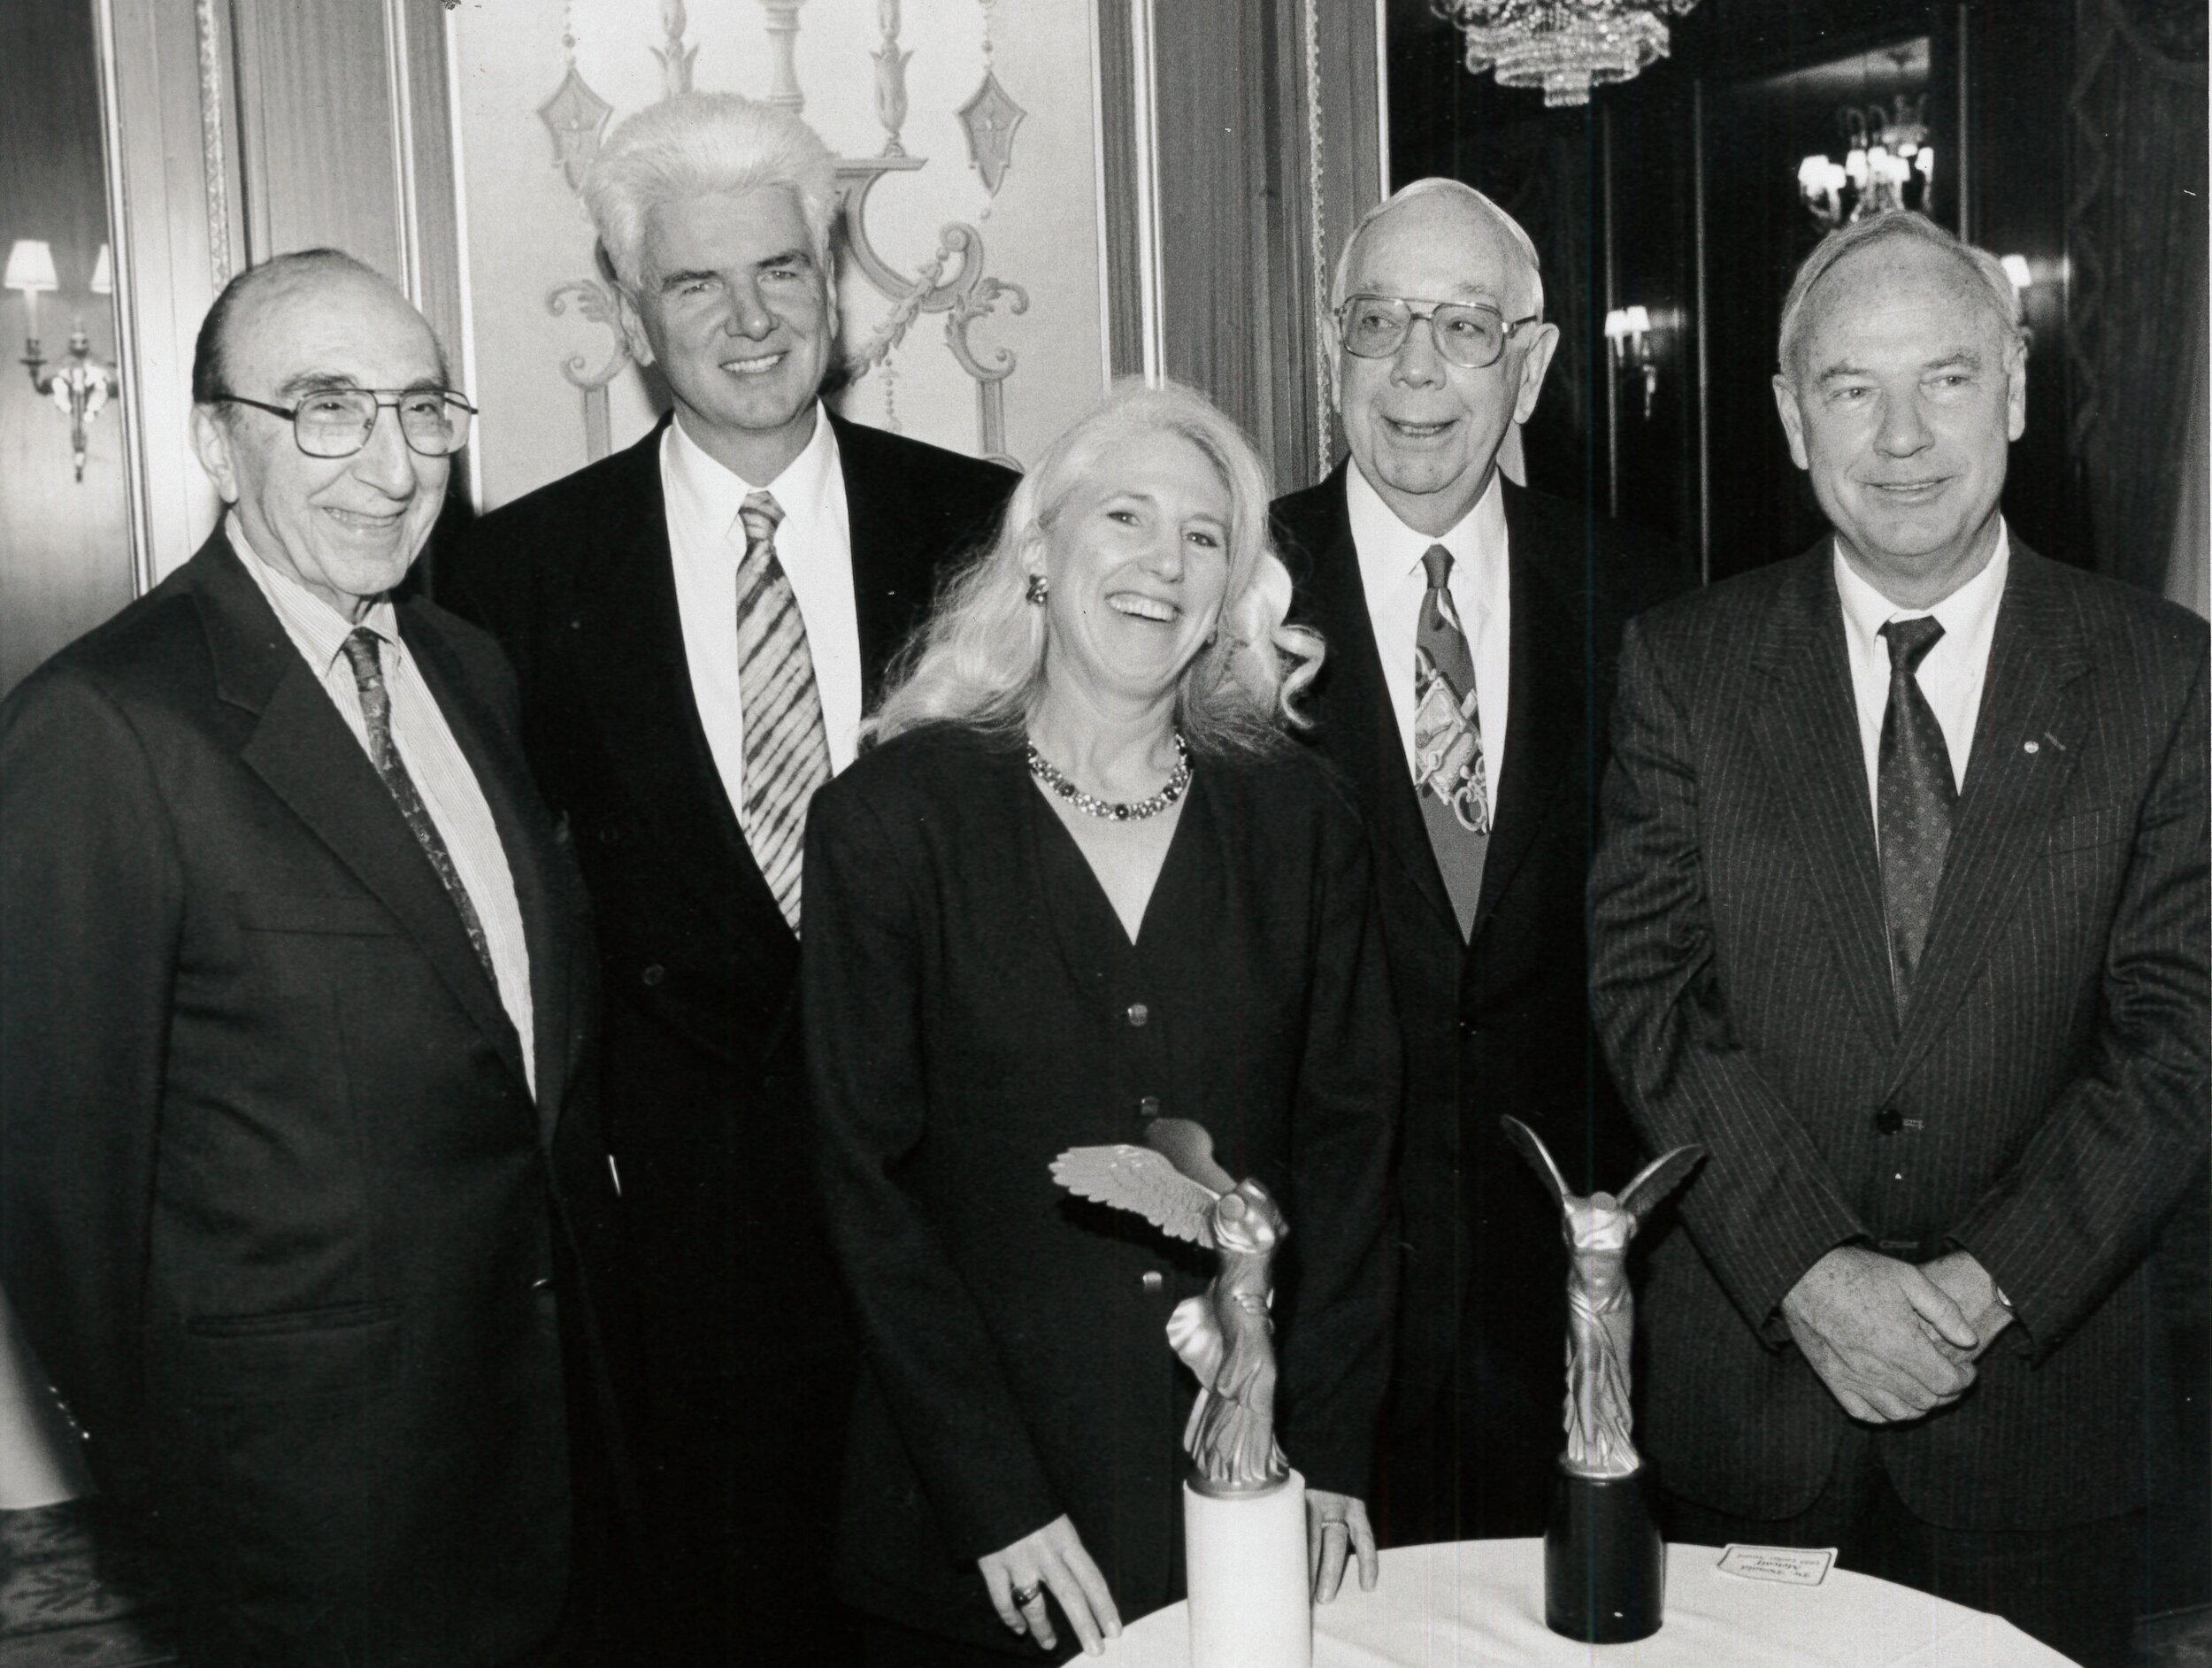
[(337, 422), (1467, 335)]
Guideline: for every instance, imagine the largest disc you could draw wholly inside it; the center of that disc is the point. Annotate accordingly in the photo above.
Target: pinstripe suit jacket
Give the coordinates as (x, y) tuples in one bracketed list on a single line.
[(2049, 1079)]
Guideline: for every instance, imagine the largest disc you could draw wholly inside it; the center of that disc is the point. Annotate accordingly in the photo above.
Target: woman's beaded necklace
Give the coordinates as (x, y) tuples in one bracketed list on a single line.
[(1133, 811)]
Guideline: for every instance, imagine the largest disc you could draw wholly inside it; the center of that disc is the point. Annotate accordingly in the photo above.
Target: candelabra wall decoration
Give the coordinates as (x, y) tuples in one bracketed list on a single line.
[(81, 387), (954, 281)]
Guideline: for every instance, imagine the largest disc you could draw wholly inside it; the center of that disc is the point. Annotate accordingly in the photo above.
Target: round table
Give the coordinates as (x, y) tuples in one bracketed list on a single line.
[(1481, 1602)]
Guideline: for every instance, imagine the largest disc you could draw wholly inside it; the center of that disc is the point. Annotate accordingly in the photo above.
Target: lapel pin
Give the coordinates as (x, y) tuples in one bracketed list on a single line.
[(2030, 747)]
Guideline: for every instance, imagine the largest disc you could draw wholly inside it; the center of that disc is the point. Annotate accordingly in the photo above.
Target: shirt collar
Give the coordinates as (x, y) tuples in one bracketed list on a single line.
[(1961, 614), (315, 627), (1390, 552), (712, 494)]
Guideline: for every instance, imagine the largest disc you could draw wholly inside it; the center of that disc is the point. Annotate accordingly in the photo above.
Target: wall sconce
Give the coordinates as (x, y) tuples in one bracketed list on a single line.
[(81, 387), (1629, 330)]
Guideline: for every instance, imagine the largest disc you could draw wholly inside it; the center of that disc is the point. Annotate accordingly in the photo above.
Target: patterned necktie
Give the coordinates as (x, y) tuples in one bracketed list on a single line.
[(1448, 771), (376, 711), (787, 743), (1917, 797)]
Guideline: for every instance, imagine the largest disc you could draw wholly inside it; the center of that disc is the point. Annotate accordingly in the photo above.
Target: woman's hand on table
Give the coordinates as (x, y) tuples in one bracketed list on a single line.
[(1052, 1560), (1336, 1527)]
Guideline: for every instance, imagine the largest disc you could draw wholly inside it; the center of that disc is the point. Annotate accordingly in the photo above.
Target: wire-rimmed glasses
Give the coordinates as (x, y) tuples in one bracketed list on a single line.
[(337, 422), (1469, 335)]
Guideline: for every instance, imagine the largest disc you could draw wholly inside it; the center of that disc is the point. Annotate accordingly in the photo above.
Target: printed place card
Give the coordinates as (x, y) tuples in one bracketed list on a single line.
[(1797, 1566)]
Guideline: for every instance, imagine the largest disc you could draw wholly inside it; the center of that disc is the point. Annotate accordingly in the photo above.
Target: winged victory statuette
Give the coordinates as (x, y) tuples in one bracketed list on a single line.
[(1225, 1337), (1601, 1307)]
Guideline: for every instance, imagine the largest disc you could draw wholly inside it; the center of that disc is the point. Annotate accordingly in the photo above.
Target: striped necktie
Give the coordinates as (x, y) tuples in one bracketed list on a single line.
[(376, 716), (1450, 771), (787, 743)]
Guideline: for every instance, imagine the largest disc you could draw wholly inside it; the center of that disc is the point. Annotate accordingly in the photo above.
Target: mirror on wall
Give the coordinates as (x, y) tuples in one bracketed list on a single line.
[(65, 561)]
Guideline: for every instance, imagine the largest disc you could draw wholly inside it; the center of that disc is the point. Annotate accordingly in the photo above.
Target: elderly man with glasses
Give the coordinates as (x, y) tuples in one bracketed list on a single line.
[(302, 1196), (1471, 626)]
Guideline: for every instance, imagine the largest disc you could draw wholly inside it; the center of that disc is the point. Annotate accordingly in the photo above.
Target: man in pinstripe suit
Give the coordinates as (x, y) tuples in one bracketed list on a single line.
[(1900, 909)]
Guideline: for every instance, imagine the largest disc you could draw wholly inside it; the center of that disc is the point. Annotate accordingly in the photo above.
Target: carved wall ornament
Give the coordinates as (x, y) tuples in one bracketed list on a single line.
[(890, 77), (594, 302), (783, 41), (675, 57), (574, 115), (989, 118)]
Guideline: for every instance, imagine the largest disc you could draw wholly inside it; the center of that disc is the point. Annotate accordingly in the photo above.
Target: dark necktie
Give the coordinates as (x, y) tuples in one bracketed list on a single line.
[(786, 742), (376, 713), (1916, 798), (1449, 770)]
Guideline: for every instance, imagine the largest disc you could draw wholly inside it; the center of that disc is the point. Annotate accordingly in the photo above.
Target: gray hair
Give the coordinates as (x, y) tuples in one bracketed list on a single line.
[(697, 143), (211, 353), (2003, 299), (1436, 185), (981, 660)]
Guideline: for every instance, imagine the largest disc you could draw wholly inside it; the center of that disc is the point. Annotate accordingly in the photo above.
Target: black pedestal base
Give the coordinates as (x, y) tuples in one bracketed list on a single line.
[(1604, 1563)]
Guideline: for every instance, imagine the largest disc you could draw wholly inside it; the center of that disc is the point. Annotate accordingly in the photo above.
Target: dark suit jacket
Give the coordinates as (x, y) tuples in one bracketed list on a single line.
[(969, 1016), (705, 1093), (1499, 1023), (274, 1197), (2049, 1084)]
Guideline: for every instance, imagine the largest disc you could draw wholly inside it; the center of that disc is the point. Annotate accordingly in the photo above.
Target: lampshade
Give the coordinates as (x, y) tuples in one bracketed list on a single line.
[(103, 273), (1638, 320), (31, 266), (1617, 323), (2017, 269)]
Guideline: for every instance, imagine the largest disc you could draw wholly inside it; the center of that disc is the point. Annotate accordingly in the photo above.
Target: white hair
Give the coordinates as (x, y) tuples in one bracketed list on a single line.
[(1984, 267), (981, 659), (698, 143), (1437, 185)]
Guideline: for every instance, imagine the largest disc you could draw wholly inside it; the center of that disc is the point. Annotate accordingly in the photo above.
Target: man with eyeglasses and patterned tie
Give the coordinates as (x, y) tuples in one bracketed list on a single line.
[(1471, 626), (302, 1198), (699, 622)]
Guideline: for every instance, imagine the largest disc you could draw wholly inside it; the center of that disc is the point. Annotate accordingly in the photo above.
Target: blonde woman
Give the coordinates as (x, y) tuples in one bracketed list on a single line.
[(1080, 881)]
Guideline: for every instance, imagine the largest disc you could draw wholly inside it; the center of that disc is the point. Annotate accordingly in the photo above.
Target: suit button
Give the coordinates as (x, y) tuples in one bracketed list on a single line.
[(1153, 1280), (1137, 1013), (654, 973), (1147, 1105), (1889, 1121)]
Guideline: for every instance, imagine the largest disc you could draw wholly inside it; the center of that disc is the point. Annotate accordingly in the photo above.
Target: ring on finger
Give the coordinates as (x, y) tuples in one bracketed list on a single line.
[(1024, 1597)]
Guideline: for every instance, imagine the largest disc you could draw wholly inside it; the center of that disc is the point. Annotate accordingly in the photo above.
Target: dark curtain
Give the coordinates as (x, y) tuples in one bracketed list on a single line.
[(2136, 228)]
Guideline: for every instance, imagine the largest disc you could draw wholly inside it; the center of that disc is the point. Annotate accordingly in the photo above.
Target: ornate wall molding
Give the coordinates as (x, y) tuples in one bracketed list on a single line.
[(214, 168)]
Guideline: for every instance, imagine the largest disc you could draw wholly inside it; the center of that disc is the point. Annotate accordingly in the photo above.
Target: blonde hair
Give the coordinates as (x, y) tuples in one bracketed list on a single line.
[(698, 143), (980, 661)]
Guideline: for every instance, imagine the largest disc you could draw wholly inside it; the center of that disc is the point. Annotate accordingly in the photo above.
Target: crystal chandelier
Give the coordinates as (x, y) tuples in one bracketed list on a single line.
[(1887, 164), (1566, 47)]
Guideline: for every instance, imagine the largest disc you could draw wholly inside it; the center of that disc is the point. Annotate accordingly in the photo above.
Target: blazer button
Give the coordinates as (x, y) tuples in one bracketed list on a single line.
[(1153, 1280), (1889, 1121), (654, 973), (1137, 1013)]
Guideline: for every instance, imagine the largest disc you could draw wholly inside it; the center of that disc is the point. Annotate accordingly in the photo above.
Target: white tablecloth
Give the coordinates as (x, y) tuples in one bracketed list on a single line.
[(1481, 1602)]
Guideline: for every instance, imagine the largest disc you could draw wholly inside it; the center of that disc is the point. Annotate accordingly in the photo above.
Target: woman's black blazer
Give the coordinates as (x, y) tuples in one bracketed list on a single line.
[(973, 1007)]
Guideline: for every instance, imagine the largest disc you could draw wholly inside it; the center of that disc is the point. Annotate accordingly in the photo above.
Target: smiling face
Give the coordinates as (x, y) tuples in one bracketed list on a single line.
[(1905, 391), (1138, 558), (733, 306), (1426, 432), (348, 528)]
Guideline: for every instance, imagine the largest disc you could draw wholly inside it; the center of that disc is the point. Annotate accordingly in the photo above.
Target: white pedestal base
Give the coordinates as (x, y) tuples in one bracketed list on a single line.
[(1250, 1606)]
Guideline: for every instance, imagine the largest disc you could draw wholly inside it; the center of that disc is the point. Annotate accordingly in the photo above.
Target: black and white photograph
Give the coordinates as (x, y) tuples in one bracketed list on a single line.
[(1207, 833)]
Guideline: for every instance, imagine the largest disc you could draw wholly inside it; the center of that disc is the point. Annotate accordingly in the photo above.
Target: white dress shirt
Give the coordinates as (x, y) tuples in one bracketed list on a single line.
[(1396, 582), (1951, 674), (814, 543), (434, 763)]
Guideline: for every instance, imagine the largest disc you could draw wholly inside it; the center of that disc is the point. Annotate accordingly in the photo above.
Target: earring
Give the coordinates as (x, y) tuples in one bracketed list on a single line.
[(1039, 587)]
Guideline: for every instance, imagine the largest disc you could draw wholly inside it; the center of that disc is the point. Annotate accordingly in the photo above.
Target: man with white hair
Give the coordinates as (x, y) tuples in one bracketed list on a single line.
[(1900, 911), (1471, 626), (699, 622)]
